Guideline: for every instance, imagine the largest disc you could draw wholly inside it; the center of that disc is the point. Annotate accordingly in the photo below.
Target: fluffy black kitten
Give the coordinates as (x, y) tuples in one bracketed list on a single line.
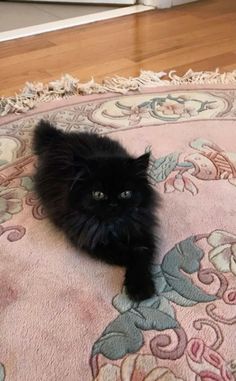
[(100, 196)]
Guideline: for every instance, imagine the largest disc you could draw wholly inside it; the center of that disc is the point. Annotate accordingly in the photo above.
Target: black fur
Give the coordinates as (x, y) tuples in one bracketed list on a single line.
[(71, 166)]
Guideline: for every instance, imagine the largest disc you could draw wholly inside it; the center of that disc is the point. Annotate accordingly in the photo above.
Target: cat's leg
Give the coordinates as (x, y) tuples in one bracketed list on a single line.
[(138, 279), (112, 254)]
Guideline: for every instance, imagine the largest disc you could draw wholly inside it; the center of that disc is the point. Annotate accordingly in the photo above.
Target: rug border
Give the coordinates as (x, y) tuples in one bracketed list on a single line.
[(35, 94), (75, 99)]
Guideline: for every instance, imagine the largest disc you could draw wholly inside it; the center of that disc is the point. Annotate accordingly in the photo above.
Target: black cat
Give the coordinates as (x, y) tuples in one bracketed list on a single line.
[(100, 196)]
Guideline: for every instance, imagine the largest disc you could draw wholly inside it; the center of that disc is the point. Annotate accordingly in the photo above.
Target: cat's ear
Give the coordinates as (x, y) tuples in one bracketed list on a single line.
[(142, 162), (46, 135)]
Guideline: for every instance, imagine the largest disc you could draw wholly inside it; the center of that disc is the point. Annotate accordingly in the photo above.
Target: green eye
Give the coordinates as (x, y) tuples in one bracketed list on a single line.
[(97, 195), (126, 194)]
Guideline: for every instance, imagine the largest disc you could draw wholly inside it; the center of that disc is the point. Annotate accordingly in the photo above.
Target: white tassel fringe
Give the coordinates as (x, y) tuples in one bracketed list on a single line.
[(35, 93)]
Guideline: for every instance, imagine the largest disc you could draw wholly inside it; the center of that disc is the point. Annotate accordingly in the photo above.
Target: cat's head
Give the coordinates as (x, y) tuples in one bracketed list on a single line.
[(110, 187)]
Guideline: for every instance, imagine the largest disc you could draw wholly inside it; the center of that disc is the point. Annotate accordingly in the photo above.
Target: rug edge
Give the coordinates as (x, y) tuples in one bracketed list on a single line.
[(34, 93)]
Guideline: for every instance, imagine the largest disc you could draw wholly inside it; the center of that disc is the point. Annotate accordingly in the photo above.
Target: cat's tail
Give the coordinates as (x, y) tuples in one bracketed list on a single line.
[(44, 135)]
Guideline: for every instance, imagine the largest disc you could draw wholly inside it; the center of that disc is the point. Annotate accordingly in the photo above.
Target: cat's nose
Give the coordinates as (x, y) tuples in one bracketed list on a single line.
[(112, 204)]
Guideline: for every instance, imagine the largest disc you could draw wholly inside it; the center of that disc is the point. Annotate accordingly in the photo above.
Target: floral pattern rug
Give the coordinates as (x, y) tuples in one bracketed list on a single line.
[(63, 315)]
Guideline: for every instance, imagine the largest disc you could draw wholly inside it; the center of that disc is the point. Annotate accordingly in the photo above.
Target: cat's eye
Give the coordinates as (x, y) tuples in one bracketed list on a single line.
[(97, 195), (126, 195)]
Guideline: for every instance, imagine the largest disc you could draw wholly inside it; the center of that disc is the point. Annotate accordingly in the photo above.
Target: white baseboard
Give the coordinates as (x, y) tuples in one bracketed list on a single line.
[(71, 22), (164, 3), (179, 2), (157, 3)]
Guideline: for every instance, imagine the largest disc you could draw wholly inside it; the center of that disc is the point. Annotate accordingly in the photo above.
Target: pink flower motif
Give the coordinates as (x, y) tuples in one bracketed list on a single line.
[(169, 185), (229, 296), (175, 108), (190, 186), (135, 114), (209, 376), (171, 108), (180, 183), (206, 363)]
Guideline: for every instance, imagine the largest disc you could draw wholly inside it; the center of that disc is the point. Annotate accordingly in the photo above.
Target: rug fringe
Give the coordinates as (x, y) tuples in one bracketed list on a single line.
[(35, 93)]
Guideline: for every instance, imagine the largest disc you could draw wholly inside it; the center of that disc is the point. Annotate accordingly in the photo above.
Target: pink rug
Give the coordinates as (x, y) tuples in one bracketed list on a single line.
[(63, 316)]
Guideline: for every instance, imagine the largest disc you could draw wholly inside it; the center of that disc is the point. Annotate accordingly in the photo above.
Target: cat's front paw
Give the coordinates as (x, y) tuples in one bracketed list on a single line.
[(141, 289)]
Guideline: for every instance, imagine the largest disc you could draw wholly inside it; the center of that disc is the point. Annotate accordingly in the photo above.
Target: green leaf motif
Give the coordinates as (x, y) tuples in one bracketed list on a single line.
[(119, 338), (124, 334), (2, 372), (159, 279), (149, 318), (27, 183), (122, 302), (162, 167), (145, 104), (185, 256), (166, 307), (176, 298)]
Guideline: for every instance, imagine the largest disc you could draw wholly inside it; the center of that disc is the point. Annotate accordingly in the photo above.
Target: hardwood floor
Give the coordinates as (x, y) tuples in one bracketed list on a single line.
[(198, 35)]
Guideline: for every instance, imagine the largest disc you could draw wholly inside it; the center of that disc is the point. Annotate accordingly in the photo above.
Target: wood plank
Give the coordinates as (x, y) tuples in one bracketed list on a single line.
[(200, 35)]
